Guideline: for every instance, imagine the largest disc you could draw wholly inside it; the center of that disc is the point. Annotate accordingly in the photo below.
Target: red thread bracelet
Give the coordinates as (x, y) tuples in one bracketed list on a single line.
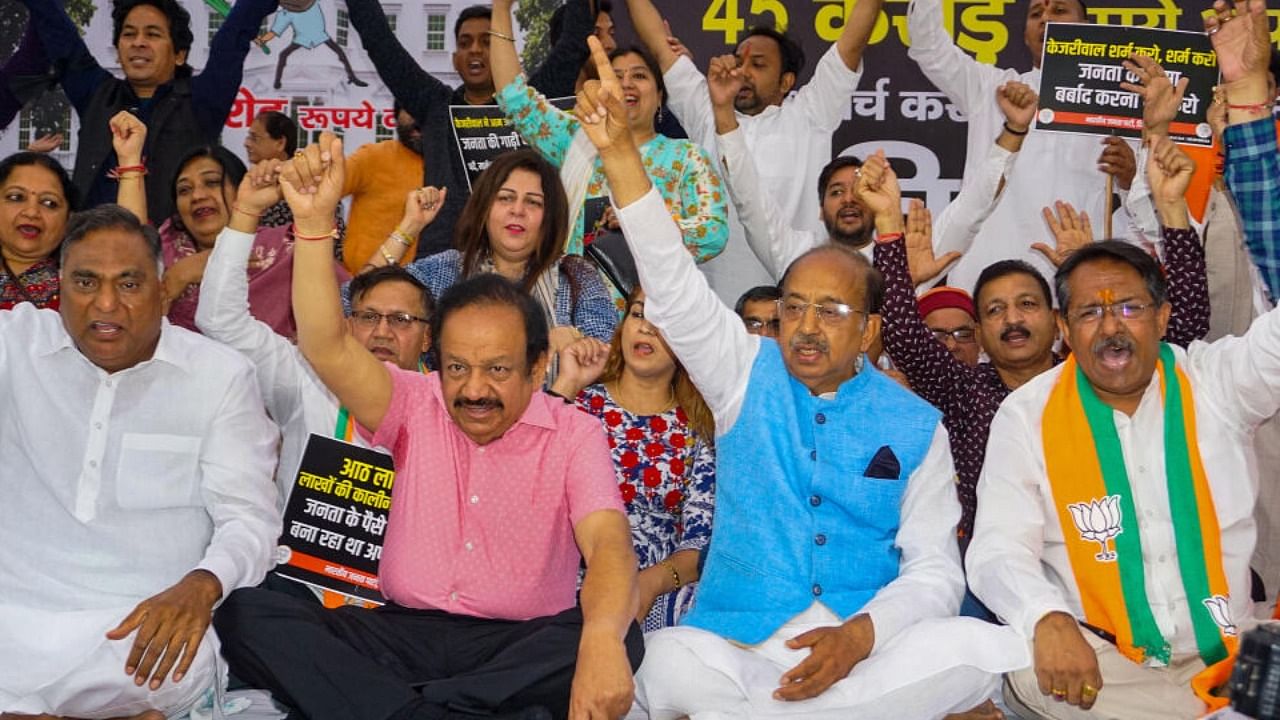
[(119, 171), (888, 238), (314, 238)]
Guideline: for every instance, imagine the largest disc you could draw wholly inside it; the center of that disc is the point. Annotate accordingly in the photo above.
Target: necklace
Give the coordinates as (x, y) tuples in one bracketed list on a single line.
[(619, 396)]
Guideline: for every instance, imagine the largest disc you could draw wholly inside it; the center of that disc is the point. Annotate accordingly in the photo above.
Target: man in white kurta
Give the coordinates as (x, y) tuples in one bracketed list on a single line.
[(835, 565), (137, 474), (789, 134), (1016, 224), (1019, 563)]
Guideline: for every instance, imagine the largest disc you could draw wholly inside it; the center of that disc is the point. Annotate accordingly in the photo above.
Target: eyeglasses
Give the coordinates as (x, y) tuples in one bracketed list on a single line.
[(962, 335), (397, 321), (1090, 314), (832, 313), (756, 324)]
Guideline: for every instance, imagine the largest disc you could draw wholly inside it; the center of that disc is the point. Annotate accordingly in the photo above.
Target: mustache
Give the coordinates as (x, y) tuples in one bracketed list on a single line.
[(1115, 342), (1018, 327), (800, 339), (480, 404)]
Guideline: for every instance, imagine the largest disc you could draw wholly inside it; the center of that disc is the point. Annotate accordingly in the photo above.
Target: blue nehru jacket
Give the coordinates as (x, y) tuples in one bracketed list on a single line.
[(808, 498)]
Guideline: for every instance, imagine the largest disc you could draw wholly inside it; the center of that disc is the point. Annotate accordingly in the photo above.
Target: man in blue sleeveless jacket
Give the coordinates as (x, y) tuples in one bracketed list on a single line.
[(834, 576)]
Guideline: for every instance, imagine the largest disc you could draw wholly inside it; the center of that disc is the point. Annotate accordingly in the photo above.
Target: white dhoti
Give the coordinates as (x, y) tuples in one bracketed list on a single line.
[(932, 668), (62, 663)]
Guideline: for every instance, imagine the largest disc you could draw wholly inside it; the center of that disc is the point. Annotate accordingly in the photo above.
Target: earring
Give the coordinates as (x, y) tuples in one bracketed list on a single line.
[(659, 120)]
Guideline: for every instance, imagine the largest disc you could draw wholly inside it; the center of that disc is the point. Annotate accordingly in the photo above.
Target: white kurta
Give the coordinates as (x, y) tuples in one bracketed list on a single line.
[(1050, 166), (776, 243), (118, 485), (917, 607), (1018, 563), (790, 144), (295, 396)]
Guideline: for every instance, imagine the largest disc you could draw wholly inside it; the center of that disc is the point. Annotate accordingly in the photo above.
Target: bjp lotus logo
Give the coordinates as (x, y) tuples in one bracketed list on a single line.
[(1219, 608), (1099, 521)]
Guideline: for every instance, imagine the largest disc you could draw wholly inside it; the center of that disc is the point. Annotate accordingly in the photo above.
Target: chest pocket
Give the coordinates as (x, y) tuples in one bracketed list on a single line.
[(158, 471)]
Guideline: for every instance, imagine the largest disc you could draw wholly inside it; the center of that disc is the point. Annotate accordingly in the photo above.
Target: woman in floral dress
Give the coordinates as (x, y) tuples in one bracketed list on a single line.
[(660, 435)]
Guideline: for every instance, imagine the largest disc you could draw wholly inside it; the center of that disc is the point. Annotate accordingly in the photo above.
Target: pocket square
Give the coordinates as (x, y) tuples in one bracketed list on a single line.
[(885, 465)]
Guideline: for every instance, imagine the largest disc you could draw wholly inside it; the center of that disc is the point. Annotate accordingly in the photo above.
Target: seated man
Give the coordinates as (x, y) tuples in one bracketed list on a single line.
[(758, 308), (502, 492), (138, 488), (1115, 515), (834, 563)]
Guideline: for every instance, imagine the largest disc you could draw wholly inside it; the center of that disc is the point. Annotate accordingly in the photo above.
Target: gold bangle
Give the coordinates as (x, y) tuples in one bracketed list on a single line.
[(402, 237), (675, 576), (497, 34)]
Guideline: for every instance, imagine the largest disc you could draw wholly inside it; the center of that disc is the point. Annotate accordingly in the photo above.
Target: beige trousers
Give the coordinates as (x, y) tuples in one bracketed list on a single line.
[(1129, 691)]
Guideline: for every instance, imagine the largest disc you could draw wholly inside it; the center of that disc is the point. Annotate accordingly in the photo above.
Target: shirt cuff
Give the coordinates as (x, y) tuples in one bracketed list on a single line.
[(643, 209), (888, 619), (510, 96), (1035, 613), (223, 568)]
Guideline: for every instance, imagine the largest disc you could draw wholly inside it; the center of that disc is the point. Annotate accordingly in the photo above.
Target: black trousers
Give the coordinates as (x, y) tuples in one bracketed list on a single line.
[(355, 664)]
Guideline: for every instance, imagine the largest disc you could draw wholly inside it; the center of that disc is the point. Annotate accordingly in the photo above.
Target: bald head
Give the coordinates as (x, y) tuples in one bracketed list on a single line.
[(841, 261)]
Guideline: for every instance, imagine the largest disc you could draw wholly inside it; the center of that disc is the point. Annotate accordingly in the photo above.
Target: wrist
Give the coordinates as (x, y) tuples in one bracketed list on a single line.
[(1054, 620), (889, 224), (726, 119), (1247, 91), (408, 229), (207, 584), (1018, 129), (1174, 215), (313, 226)]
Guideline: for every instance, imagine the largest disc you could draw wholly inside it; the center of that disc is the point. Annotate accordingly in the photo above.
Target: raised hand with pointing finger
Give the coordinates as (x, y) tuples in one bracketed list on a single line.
[(600, 109)]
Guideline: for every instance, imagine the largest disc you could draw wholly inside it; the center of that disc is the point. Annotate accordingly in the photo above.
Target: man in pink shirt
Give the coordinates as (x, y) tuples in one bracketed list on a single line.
[(501, 491)]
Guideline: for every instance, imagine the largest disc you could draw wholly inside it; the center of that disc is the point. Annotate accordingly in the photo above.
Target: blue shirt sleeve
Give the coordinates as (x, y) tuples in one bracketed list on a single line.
[(593, 311), (1253, 176)]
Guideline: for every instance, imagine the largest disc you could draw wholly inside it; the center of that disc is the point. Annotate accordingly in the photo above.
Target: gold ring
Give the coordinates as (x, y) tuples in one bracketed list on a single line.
[(1089, 691), (1058, 693), (298, 153)]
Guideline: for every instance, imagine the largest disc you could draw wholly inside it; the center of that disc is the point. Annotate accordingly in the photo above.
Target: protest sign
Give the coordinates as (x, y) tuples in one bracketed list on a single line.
[(336, 517), (1083, 67), (483, 132)]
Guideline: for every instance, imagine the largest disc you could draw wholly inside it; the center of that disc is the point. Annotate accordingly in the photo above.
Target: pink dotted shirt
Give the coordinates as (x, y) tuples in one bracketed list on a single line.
[(487, 530)]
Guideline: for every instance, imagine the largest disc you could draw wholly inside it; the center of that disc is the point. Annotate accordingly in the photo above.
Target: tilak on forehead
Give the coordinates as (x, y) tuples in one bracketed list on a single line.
[(1107, 296)]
